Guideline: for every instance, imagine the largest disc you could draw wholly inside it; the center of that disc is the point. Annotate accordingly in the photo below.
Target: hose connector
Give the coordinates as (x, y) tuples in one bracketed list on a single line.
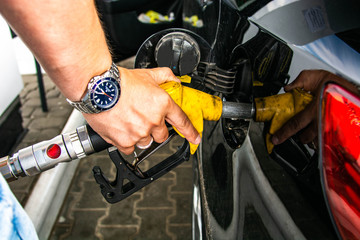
[(10, 168)]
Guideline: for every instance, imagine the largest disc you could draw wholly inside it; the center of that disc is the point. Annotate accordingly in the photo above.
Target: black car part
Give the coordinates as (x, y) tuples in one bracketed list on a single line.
[(270, 61), (260, 66), (215, 78), (124, 32), (179, 49), (186, 53)]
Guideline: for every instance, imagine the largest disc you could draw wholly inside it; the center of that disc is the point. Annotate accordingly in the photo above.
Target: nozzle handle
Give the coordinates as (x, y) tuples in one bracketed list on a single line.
[(97, 142)]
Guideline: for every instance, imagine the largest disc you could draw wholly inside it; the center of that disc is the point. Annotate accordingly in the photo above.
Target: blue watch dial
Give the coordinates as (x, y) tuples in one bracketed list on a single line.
[(105, 93)]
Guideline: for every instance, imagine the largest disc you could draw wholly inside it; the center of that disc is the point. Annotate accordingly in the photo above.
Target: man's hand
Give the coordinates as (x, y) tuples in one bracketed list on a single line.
[(306, 121), (141, 112), (67, 39)]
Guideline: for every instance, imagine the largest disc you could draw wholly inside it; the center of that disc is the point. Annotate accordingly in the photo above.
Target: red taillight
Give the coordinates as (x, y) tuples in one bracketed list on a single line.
[(341, 158)]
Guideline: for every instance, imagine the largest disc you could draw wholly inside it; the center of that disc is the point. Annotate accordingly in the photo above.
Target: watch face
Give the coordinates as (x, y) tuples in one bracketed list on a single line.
[(105, 93)]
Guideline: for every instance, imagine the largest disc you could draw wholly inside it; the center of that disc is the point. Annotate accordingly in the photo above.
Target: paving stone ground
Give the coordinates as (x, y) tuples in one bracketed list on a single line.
[(162, 210)]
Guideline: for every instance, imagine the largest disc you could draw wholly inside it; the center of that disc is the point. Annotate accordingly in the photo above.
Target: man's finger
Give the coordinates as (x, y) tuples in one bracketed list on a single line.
[(160, 133), (307, 80), (163, 74), (145, 143), (295, 124), (177, 118), (309, 134), (127, 150), (297, 83)]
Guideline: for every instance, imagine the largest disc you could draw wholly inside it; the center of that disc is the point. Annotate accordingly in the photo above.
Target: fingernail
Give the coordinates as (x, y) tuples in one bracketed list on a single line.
[(275, 140), (197, 140)]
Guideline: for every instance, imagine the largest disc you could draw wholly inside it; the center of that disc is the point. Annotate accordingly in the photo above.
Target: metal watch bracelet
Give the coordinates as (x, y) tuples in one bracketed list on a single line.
[(85, 106)]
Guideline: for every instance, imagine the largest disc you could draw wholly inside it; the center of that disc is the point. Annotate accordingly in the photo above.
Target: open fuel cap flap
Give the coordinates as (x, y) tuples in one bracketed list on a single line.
[(179, 49), (179, 52)]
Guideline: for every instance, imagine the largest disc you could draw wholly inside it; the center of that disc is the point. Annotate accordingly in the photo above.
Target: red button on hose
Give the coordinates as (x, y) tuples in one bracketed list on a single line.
[(53, 151)]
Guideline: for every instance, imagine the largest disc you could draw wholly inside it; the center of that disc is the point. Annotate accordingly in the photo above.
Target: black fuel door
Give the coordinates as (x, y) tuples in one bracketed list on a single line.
[(178, 51)]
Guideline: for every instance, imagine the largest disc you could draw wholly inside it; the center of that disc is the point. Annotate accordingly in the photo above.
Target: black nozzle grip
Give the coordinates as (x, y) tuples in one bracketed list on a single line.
[(98, 143)]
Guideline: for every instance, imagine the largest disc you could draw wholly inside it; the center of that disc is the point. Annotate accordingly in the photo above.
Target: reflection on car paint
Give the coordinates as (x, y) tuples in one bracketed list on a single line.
[(335, 52)]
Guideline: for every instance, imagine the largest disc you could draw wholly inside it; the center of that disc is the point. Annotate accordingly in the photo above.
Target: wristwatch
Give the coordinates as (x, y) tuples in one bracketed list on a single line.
[(103, 92)]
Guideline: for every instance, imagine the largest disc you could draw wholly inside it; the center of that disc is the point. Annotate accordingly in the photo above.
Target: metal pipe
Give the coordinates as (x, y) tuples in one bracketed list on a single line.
[(238, 110)]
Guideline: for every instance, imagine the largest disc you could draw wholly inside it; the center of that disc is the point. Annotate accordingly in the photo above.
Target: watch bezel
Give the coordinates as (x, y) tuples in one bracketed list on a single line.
[(92, 93), (85, 105)]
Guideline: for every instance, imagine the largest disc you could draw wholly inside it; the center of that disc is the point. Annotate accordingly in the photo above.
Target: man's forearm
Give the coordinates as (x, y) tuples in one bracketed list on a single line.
[(65, 36)]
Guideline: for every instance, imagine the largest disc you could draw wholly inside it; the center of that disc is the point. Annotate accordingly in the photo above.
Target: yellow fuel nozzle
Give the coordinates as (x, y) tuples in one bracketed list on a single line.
[(200, 106), (279, 109), (197, 105)]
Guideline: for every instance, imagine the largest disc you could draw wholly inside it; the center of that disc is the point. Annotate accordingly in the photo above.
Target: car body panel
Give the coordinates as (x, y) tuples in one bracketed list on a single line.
[(240, 191), (331, 50), (236, 195), (302, 22), (253, 197)]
